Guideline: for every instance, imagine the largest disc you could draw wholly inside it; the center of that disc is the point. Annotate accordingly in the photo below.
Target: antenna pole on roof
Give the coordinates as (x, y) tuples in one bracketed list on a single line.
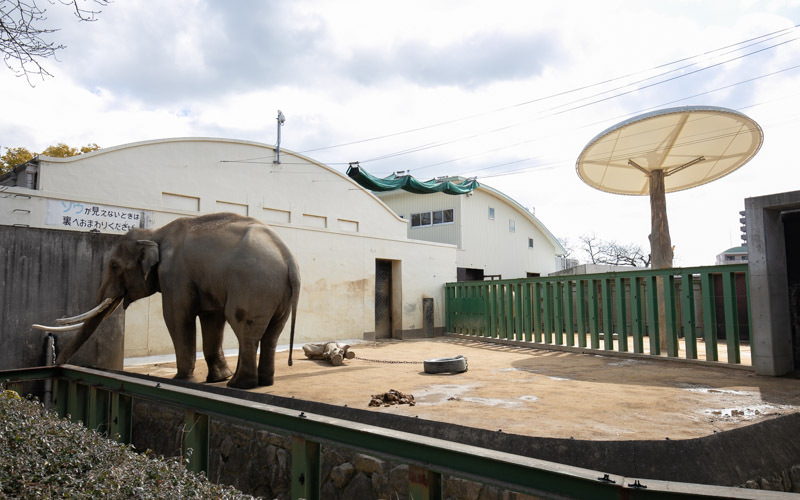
[(281, 120)]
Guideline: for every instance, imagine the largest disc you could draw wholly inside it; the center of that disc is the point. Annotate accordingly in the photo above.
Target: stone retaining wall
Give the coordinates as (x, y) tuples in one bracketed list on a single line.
[(256, 461)]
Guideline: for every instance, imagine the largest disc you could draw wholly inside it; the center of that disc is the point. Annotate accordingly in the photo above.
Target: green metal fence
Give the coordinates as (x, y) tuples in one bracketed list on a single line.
[(701, 312), (104, 401)]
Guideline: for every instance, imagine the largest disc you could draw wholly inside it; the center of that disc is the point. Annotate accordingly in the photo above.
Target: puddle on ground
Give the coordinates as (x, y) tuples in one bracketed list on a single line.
[(748, 412), (529, 370), (626, 362), (437, 394), (497, 403), (704, 389), (434, 394)]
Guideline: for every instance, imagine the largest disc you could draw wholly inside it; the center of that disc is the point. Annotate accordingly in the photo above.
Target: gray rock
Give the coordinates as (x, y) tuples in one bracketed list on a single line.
[(279, 440), (380, 485), (786, 480), (359, 487), (794, 475), (341, 474), (456, 488), (331, 457), (490, 493), (329, 491), (368, 464), (398, 482)]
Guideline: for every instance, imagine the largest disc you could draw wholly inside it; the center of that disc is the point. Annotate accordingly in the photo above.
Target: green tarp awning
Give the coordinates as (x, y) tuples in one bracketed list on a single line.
[(408, 183)]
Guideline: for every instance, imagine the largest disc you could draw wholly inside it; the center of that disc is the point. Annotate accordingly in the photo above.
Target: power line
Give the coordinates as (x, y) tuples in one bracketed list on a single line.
[(767, 36), (580, 106), (627, 115)]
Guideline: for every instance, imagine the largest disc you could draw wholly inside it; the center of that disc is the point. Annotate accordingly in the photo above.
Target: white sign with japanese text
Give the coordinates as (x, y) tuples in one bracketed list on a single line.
[(88, 216)]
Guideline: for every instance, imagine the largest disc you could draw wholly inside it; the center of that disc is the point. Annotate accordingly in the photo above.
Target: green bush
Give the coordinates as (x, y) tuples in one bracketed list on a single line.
[(43, 456)]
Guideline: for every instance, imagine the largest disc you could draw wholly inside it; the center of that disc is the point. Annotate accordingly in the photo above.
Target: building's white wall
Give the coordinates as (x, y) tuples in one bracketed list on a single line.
[(337, 299), (490, 245), (404, 204), (218, 173), (335, 229), (483, 243)]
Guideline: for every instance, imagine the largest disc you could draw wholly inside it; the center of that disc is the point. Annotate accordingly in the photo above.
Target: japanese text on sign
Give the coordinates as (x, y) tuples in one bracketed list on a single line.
[(88, 216)]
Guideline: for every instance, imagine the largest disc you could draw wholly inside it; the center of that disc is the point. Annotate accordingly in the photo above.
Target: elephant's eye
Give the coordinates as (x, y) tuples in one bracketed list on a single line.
[(114, 266)]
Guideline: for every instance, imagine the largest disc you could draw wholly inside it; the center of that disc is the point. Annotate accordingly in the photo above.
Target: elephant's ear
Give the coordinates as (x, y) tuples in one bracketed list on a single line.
[(150, 256)]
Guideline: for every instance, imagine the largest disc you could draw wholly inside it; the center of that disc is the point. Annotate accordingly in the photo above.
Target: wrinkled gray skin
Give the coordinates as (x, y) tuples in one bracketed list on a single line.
[(218, 267)]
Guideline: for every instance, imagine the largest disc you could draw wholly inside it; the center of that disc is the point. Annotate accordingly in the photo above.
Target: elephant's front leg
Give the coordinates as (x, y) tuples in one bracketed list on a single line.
[(213, 326), (183, 331)]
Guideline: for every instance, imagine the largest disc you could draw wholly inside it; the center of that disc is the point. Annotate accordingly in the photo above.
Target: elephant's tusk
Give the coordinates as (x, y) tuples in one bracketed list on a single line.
[(65, 328), (88, 314)]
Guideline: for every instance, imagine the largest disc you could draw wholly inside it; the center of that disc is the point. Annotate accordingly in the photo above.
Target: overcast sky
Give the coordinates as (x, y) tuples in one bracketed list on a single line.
[(506, 91)]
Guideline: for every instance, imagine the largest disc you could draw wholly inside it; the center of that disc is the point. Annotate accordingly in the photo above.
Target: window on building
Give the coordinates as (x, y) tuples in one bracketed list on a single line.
[(530, 243), (435, 217), (512, 225), (491, 213)]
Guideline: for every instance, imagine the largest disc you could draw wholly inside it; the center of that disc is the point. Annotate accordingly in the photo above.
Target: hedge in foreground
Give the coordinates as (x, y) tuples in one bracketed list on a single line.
[(43, 456)]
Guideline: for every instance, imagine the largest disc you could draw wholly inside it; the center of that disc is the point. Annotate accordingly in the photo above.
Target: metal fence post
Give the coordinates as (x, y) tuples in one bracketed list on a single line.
[(731, 316), (98, 410), (305, 469), (195, 438), (424, 484), (120, 424), (622, 314)]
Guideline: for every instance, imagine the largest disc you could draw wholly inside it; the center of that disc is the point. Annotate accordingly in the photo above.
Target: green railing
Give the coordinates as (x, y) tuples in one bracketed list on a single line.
[(104, 401), (696, 313)]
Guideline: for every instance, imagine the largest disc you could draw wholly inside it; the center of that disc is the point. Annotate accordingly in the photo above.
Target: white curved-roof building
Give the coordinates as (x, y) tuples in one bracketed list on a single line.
[(495, 235), (345, 239)]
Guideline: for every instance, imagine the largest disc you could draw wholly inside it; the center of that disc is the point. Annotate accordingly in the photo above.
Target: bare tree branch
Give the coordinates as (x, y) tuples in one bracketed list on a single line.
[(23, 34), (612, 253)]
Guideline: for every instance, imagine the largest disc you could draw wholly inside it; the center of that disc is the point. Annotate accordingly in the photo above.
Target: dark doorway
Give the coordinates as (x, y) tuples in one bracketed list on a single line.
[(383, 299), (791, 230), (469, 274)]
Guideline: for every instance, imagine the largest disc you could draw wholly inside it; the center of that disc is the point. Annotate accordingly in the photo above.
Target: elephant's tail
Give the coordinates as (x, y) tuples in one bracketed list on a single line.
[(294, 282)]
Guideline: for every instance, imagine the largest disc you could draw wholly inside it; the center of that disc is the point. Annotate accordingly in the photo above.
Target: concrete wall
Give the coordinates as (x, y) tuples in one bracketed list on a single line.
[(769, 290), (334, 227), (48, 274)]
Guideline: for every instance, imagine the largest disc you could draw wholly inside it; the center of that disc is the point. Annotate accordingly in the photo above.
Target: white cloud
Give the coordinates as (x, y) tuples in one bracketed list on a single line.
[(347, 71)]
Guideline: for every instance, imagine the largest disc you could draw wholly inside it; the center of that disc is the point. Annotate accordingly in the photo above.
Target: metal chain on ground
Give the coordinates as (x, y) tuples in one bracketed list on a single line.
[(389, 362)]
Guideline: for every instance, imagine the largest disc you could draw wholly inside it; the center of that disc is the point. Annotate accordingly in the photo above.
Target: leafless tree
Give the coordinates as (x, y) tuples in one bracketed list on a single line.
[(598, 251), (592, 248), (23, 33)]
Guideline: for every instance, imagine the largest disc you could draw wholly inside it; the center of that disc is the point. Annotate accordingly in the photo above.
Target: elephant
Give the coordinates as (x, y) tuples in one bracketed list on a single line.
[(218, 267)]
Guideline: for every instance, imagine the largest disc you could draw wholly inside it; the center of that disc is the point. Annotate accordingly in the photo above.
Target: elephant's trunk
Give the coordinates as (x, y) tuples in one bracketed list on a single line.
[(93, 320)]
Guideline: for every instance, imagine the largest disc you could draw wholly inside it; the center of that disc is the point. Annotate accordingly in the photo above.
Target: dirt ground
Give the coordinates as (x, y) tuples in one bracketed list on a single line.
[(535, 392)]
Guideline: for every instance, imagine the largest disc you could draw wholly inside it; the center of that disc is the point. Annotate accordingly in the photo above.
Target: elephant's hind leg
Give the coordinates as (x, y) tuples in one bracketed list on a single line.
[(266, 364), (249, 331), (213, 326)]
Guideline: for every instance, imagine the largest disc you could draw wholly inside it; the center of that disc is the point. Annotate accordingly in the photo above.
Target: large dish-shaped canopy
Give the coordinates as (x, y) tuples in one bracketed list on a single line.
[(692, 145)]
